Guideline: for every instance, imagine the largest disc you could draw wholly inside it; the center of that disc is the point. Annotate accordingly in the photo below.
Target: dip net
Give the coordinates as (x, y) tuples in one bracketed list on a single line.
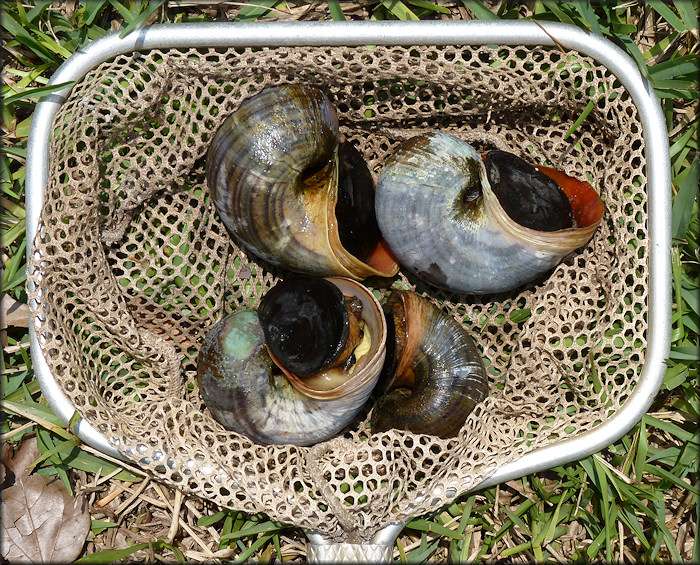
[(132, 266)]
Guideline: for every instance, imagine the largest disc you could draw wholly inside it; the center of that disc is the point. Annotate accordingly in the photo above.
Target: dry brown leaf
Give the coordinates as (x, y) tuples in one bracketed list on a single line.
[(41, 521), (13, 313), (21, 463)]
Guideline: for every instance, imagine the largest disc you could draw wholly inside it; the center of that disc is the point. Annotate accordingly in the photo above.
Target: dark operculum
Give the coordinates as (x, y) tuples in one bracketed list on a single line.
[(528, 196), (305, 322), (357, 223)]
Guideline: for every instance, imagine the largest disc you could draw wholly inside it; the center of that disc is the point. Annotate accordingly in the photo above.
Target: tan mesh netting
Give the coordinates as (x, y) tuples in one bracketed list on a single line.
[(132, 266)]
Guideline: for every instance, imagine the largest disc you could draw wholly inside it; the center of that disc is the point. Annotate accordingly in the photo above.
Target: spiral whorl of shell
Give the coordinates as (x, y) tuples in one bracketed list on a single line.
[(436, 375), (248, 393), (438, 213), (273, 170)]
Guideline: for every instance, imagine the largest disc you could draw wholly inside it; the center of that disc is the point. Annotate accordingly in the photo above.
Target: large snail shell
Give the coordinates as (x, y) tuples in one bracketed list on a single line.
[(247, 393), (438, 213), (273, 169), (435, 376)]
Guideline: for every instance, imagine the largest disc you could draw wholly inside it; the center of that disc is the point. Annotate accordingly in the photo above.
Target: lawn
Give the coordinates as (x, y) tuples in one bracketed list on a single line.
[(635, 500)]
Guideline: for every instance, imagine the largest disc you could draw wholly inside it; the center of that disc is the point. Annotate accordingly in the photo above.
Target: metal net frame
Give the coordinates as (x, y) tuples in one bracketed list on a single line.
[(131, 267)]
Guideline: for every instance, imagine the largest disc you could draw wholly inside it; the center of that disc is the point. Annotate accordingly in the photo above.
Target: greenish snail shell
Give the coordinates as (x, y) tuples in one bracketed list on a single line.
[(290, 192), (247, 392), (434, 376)]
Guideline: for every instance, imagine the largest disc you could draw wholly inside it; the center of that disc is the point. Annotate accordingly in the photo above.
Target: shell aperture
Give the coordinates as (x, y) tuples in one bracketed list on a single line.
[(435, 376), (357, 223), (306, 324), (273, 169), (527, 195), (248, 393), (440, 217)]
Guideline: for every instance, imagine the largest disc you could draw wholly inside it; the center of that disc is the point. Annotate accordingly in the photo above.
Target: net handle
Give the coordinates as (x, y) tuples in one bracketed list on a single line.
[(378, 550)]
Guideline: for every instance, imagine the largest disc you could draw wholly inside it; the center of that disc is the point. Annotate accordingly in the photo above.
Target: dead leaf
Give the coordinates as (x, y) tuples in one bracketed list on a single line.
[(13, 313), (41, 521), (21, 463)]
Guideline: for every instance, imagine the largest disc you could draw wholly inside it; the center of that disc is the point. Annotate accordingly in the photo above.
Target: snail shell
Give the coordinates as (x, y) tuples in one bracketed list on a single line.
[(247, 392), (435, 375), (274, 169), (442, 211)]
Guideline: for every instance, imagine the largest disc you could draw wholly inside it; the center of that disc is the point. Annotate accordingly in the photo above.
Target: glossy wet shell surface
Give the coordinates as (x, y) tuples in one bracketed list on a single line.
[(247, 393), (255, 166), (273, 171), (527, 195), (305, 322), (440, 376), (439, 216)]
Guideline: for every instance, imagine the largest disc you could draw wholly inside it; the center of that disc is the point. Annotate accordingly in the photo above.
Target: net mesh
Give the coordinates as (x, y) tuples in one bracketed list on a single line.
[(132, 266)]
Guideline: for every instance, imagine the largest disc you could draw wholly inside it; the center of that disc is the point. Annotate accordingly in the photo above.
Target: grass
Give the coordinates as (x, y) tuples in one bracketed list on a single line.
[(635, 500)]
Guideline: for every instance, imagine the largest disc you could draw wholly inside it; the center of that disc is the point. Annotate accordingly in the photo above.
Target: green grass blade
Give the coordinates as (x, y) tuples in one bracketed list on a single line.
[(206, 521), (675, 376), (12, 234), (112, 555), (520, 316), (11, 281), (399, 9), (630, 519), (430, 6), (255, 529), (52, 46), (661, 472), (421, 554), (124, 12), (587, 110), (31, 76), (586, 10), (556, 8), (93, 9), (677, 67), (682, 142), (478, 8), (660, 507), (90, 463), (428, 526), (262, 540), (97, 526), (336, 11), (139, 21), (670, 427), (687, 10), (514, 517), (684, 353), (36, 93), (253, 12), (642, 450), (12, 276), (15, 151), (691, 296), (681, 93), (633, 50), (23, 37), (666, 13), (57, 449), (40, 413), (37, 10), (682, 210)]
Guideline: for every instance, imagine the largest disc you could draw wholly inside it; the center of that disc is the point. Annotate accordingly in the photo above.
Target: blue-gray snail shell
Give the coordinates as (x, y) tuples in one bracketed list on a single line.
[(446, 215)]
